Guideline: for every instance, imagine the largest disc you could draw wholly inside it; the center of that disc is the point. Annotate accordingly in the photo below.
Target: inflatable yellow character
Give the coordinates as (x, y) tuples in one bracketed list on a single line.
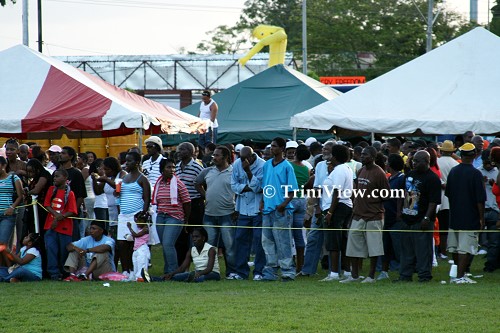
[(275, 38)]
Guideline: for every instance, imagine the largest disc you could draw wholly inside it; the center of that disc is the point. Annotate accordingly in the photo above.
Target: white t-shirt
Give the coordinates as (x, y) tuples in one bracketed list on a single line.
[(341, 179), (151, 169)]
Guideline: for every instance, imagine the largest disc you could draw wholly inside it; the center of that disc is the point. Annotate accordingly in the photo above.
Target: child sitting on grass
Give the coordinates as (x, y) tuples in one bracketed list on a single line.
[(204, 257), (28, 262), (141, 255)]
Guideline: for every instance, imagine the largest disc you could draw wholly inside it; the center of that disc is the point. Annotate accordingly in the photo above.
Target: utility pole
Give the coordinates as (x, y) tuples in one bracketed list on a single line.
[(473, 11), (304, 37), (40, 40), (430, 23), (25, 23)]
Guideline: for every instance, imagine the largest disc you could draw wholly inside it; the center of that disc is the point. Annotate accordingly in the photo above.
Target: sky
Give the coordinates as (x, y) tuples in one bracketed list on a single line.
[(135, 27)]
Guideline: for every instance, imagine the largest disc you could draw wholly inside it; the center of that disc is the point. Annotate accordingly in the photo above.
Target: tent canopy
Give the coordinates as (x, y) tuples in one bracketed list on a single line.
[(44, 97), (450, 90), (263, 104)]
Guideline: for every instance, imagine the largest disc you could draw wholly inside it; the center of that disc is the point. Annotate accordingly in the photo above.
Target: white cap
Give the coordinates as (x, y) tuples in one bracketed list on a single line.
[(55, 149), (238, 147), (291, 144), (309, 141)]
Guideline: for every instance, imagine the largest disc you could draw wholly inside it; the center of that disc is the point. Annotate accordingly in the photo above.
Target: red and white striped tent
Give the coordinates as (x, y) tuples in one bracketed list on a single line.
[(44, 97)]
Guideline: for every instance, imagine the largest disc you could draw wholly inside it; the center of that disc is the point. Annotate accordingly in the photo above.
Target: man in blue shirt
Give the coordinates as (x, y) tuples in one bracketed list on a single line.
[(95, 252), (246, 183), (278, 184)]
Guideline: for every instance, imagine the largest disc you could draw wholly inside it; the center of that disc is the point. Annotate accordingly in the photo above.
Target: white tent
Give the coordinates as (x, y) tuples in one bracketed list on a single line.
[(449, 90)]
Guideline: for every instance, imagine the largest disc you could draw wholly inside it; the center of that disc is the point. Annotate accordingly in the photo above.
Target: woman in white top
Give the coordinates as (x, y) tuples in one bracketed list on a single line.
[(208, 111), (204, 257)]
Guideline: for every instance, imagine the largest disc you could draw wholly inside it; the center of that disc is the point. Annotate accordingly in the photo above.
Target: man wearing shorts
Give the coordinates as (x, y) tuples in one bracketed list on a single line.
[(465, 189), (365, 234)]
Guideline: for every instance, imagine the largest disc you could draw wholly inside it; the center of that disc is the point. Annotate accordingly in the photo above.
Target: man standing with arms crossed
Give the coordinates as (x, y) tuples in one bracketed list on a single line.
[(278, 184)]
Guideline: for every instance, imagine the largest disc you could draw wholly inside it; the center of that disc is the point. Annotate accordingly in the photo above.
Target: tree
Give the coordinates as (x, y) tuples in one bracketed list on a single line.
[(392, 32), (3, 2)]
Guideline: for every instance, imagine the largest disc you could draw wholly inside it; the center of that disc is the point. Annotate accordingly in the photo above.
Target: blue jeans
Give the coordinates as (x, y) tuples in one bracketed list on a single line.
[(244, 237), (299, 212), (7, 224), (168, 235), (277, 244), (493, 255), (314, 247), (55, 245), (209, 136), (227, 235), (19, 273), (185, 277)]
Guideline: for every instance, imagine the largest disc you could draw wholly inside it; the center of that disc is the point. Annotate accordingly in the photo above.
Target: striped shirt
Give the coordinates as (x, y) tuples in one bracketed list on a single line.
[(131, 200), (6, 190), (163, 199), (188, 176), (151, 169)]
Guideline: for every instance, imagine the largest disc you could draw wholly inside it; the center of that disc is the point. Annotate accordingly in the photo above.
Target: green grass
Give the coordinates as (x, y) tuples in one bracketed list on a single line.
[(305, 305)]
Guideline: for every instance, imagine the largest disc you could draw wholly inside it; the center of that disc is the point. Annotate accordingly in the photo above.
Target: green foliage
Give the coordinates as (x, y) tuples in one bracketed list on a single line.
[(305, 305), (3, 2), (392, 32)]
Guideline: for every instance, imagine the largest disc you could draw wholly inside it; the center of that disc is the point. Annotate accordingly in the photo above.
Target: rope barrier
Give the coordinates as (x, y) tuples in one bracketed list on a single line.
[(280, 228)]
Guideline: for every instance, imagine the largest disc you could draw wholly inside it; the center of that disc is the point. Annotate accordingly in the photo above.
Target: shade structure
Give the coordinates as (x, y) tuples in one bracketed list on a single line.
[(43, 97), (260, 107), (450, 90)]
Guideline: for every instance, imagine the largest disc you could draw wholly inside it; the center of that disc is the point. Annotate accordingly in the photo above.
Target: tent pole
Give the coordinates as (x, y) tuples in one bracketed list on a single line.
[(139, 136), (294, 134), (373, 137)]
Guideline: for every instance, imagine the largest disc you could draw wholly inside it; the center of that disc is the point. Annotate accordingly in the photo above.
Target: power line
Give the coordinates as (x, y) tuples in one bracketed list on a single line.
[(155, 5)]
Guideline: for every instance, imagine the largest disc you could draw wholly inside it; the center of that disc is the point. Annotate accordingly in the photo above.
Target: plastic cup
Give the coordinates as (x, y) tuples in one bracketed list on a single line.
[(453, 271)]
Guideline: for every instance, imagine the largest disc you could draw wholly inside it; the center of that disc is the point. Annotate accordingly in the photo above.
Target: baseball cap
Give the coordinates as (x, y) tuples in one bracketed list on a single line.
[(291, 144), (238, 147), (55, 149), (309, 141)]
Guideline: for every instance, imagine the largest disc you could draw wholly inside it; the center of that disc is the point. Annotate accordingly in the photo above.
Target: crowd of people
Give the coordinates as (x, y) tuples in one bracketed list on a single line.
[(275, 212)]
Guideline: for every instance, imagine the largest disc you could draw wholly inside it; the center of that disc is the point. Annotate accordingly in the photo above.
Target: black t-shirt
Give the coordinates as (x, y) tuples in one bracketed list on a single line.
[(421, 188), (75, 182), (465, 189), (391, 205)]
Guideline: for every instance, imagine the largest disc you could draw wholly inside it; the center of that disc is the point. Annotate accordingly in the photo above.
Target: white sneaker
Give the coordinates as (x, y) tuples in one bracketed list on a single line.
[(383, 276), (346, 274), (331, 277), (257, 277), (482, 252), (350, 279), (234, 276), (442, 256), (368, 280), (251, 264), (469, 280)]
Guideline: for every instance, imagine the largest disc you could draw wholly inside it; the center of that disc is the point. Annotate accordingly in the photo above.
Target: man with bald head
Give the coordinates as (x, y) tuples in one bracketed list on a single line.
[(246, 184), (422, 195)]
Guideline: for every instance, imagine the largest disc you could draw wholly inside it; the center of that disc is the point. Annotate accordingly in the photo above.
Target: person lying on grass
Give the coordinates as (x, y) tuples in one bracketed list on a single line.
[(93, 254), (27, 264), (204, 257)]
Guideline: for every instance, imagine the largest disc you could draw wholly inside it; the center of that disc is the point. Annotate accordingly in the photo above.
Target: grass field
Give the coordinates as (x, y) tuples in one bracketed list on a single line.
[(305, 305)]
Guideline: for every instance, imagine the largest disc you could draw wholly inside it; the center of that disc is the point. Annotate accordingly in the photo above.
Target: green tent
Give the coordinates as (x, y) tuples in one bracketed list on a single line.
[(260, 107)]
